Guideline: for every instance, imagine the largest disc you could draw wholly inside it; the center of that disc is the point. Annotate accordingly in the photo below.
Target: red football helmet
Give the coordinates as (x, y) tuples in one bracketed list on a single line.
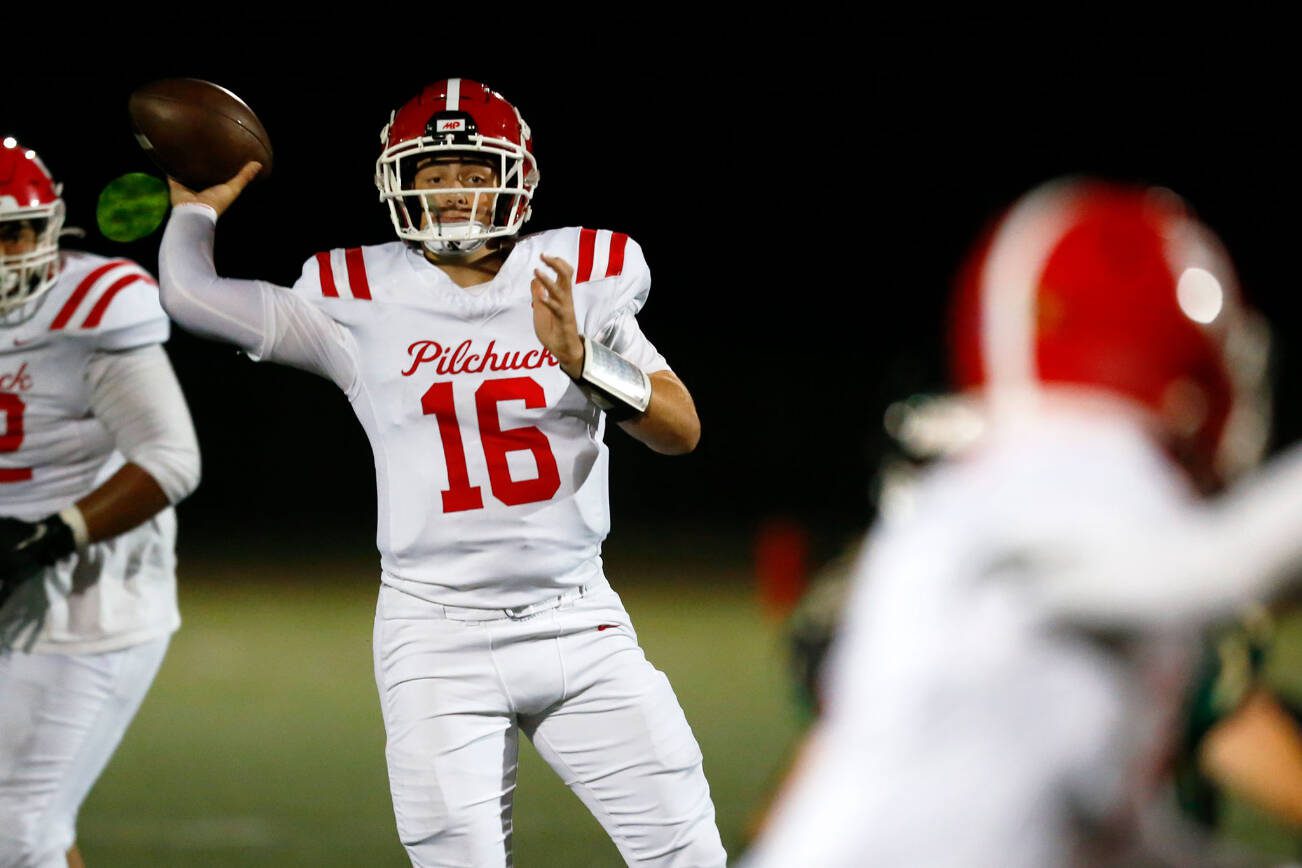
[(464, 118), (1089, 285), (29, 202)]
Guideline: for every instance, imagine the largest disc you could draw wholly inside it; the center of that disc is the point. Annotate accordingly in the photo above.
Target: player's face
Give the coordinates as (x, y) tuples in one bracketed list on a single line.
[(459, 206), (17, 237)]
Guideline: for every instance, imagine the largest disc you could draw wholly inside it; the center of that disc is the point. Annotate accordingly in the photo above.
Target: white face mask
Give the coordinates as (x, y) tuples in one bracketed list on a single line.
[(26, 277)]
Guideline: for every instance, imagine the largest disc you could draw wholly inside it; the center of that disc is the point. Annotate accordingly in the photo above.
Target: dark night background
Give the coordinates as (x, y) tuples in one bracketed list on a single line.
[(802, 221)]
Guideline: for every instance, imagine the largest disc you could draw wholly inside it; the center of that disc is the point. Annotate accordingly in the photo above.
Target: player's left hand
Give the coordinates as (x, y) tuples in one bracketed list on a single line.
[(26, 548), (553, 314)]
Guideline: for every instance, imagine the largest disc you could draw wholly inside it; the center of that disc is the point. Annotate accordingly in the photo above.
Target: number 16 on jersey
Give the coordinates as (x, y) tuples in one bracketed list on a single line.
[(497, 443)]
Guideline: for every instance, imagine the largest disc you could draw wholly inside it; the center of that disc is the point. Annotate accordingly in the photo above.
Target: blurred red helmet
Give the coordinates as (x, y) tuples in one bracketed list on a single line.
[(463, 118), (1088, 285), (29, 207)]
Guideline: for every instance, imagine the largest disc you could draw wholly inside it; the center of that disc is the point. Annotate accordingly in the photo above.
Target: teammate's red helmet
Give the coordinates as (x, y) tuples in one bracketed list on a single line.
[(1084, 284), (29, 202), (465, 118)]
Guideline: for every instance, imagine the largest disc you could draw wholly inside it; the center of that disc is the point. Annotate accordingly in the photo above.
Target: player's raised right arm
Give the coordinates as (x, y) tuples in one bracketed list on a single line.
[(265, 320), (1203, 565)]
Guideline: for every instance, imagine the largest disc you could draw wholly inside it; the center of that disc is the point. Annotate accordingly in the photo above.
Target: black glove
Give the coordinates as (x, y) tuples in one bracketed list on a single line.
[(27, 548)]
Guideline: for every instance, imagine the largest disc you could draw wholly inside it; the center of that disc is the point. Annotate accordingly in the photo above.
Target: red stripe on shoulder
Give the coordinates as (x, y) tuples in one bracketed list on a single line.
[(79, 294), (357, 273), (615, 262), (97, 312), (587, 252), (15, 474), (327, 274)]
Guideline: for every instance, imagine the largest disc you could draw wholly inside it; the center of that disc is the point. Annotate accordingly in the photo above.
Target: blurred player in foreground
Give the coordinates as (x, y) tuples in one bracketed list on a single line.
[(1238, 734), (96, 446), (1015, 650), (483, 368)]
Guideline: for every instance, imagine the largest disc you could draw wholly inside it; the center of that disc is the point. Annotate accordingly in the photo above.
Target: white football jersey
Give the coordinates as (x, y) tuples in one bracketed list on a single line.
[(956, 700), (490, 466), (53, 452)]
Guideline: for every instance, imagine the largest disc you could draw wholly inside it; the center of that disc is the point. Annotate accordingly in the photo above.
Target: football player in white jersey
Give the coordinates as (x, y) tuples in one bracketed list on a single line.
[(96, 444), (483, 367), (1008, 680)]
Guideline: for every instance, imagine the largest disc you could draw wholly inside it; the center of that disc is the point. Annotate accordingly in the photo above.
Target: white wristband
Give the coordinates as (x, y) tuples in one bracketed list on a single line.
[(613, 383), (77, 524)]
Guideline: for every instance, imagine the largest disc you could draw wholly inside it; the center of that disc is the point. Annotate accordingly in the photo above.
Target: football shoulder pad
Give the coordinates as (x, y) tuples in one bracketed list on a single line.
[(113, 302), (346, 273), (611, 277)]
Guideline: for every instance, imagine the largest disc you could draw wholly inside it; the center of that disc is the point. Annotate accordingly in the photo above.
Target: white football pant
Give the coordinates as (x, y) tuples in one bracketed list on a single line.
[(456, 686), (61, 718)]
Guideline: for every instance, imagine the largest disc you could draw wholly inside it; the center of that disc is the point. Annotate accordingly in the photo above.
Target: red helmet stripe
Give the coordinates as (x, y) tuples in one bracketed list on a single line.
[(97, 312), (357, 273), (587, 251), (615, 261), (327, 275), (79, 294), (1009, 284)]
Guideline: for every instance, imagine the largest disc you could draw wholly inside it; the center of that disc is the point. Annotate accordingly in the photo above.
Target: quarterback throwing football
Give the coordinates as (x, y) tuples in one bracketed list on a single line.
[(483, 367), (95, 445)]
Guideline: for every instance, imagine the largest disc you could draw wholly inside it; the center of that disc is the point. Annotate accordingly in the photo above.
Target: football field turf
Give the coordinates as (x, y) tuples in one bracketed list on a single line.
[(261, 742)]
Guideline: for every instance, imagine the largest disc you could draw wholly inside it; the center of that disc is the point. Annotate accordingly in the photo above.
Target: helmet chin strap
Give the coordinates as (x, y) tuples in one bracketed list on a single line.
[(455, 248)]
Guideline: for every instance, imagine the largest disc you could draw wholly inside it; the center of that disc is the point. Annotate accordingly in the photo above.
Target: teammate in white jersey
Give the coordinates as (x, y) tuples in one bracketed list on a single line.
[(483, 367), (1003, 692), (96, 444)]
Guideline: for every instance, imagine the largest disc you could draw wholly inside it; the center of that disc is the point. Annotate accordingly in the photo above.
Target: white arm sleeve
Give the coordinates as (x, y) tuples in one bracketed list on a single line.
[(136, 395), (266, 321), (1203, 565)]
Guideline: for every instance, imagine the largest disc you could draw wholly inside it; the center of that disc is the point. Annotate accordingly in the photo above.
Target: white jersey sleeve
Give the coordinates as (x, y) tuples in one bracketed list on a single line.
[(612, 268), (266, 321), (134, 393), (1200, 564)]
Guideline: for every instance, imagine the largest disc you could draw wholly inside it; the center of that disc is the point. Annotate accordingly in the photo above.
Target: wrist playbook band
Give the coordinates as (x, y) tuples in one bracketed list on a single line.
[(77, 523), (613, 383)]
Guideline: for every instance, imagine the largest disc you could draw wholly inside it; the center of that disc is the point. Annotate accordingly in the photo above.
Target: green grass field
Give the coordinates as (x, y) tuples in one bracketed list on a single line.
[(261, 741)]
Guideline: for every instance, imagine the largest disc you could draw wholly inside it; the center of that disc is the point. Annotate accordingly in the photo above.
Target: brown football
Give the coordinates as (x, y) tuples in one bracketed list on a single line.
[(198, 132)]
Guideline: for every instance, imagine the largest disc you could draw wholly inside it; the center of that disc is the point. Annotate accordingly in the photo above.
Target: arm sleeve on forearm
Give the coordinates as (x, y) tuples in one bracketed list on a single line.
[(1203, 565), (266, 321), (136, 396)]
